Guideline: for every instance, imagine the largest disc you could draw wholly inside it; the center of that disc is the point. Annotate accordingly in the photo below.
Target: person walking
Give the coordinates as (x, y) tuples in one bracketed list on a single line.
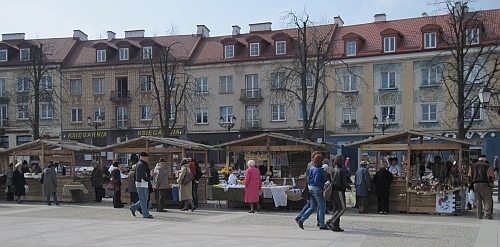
[(18, 183), (10, 172), (382, 180), (116, 177), (363, 184), (185, 190), (142, 179), (50, 185), (97, 180), (305, 193), (196, 181), (481, 180), (253, 184), (161, 182), (339, 187), (132, 190), (497, 176)]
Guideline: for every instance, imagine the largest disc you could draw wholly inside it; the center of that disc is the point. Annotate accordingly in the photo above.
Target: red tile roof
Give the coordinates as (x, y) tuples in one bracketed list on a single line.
[(56, 49)]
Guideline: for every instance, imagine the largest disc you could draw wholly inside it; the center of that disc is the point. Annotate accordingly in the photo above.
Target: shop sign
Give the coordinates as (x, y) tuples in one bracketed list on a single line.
[(255, 156), (93, 134), (469, 135), (174, 132)]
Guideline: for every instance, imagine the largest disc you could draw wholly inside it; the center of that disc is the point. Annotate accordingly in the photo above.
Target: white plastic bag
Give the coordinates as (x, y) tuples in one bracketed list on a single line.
[(232, 180), (472, 197)]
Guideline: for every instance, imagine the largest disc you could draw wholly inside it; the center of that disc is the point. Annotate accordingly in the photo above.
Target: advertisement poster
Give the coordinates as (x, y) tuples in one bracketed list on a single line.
[(445, 203)]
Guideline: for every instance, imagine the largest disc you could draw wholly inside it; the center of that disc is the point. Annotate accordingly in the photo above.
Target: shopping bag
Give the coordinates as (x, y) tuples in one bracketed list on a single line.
[(26, 189), (472, 197), (352, 198)]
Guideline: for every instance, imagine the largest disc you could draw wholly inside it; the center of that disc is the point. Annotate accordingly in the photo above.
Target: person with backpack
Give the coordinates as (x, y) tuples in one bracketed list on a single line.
[(197, 175)]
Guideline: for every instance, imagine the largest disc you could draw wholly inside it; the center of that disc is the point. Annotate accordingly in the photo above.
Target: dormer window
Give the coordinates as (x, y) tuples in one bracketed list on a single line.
[(473, 36), (254, 49), (229, 51), (389, 44), (101, 55), (351, 48), (123, 54), (429, 40), (280, 47), (24, 54), (3, 55), (147, 52)]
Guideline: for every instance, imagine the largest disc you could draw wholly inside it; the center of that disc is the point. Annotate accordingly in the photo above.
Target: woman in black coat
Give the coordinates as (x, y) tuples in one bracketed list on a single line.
[(116, 176), (382, 181), (18, 183)]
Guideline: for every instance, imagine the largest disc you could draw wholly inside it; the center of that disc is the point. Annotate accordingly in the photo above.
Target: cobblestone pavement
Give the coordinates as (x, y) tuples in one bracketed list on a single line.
[(99, 224)]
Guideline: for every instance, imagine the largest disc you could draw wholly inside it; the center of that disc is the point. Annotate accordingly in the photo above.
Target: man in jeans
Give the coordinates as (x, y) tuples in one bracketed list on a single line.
[(481, 179), (142, 179)]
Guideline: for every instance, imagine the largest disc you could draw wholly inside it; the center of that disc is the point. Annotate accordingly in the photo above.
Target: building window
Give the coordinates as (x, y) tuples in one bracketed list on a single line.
[(226, 84), (147, 52), (3, 87), (76, 115), (278, 112), (101, 55), (469, 112), (474, 74), (46, 83), (76, 87), (145, 112), (226, 113), (172, 82), (280, 47), (388, 111), (173, 111), (4, 142), (202, 116), (388, 80), (3, 115), (229, 51), (146, 83), (429, 40), (23, 84), (389, 44), (350, 83), (351, 48), (98, 85), (23, 139), (121, 117), (254, 49), (429, 113), (349, 116), (47, 110), (202, 85), (472, 36), (23, 112), (278, 80), (100, 112), (309, 80), (123, 54), (308, 109), (3, 56), (24, 54), (429, 77)]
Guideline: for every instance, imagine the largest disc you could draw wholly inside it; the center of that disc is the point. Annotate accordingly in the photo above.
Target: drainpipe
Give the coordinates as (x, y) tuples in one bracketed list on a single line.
[(60, 103)]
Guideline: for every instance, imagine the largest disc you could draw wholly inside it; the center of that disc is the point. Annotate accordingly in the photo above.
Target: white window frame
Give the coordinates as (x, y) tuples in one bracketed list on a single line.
[(46, 83), (254, 49), (390, 44), (278, 80), (201, 115), (172, 82), (147, 52), (101, 56), (121, 116), (278, 113), (388, 86), (6, 56), (146, 112), (349, 116), (309, 81), (101, 112), (472, 36), (226, 84), (46, 110), (470, 110), (202, 85), (427, 75), (427, 112), (226, 112), (349, 83), (474, 75), (350, 47), (430, 40), (24, 54), (23, 84), (75, 83), (99, 84), (280, 47), (173, 110), (76, 115), (391, 110), (23, 109), (146, 83), (228, 51), (123, 54), (4, 116), (308, 108)]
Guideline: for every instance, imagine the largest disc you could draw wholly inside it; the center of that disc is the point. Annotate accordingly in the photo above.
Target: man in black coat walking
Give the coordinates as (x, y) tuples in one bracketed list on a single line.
[(382, 179)]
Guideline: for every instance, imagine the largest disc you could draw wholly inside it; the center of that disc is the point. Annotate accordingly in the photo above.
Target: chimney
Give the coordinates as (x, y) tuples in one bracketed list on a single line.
[(203, 31), (380, 17), (13, 36), (338, 21), (134, 33), (264, 26), (425, 14), (111, 35), (80, 35), (236, 30)]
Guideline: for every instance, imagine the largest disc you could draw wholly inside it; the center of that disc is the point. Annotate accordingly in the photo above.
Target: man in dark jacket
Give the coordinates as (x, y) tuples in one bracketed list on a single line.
[(340, 185), (97, 181), (481, 180), (382, 180), (142, 180), (196, 181)]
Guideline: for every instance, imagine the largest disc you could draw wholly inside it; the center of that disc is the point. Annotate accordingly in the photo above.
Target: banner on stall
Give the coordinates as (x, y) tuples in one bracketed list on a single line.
[(445, 203)]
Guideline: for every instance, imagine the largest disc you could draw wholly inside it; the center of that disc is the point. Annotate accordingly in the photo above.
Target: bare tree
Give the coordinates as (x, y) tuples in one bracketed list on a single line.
[(469, 59)]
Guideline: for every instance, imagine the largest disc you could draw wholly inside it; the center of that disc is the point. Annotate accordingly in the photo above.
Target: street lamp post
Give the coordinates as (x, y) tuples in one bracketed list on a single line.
[(98, 122), (485, 96), (382, 126), (227, 125)]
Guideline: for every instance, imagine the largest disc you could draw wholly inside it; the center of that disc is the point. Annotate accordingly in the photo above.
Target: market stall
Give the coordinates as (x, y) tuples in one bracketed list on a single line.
[(421, 188), (172, 150), (57, 151)]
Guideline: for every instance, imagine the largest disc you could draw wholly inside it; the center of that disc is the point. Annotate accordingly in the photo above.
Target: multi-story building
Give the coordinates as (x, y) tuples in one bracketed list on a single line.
[(17, 92)]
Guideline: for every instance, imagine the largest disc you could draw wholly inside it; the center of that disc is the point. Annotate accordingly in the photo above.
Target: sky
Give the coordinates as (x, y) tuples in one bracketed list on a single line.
[(58, 18)]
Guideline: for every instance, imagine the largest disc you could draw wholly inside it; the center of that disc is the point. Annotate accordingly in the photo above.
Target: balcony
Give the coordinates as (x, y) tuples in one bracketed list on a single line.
[(120, 96), (250, 124), (251, 95), (4, 96)]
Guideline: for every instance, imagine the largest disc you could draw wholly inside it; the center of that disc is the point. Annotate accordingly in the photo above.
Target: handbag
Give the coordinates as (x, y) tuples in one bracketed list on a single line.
[(352, 198), (187, 178), (305, 193), (113, 186)]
